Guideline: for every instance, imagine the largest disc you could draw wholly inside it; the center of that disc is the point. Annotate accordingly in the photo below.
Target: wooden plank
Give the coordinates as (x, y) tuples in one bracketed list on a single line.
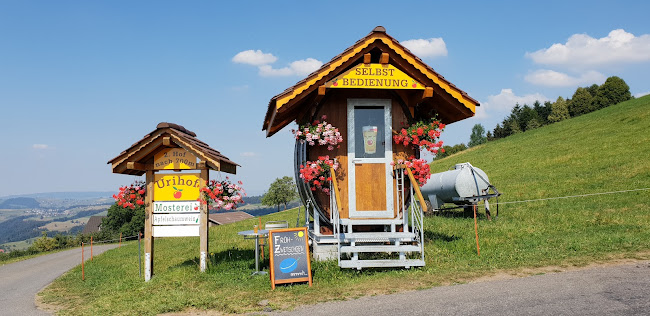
[(366, 58), (203, 223), (321, 90), (132, 165), (370, 186), (167, 141), (428, 92), (384, 58)]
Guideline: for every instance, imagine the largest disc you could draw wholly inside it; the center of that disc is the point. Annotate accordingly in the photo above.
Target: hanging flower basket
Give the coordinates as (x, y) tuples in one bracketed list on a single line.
[(132, 195), (419, 167), (319, 133), (422, 134), (222, 194), (317, 173)]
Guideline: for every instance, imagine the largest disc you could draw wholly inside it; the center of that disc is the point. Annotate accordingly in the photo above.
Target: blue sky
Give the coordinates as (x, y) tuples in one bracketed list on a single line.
[(80, 81)]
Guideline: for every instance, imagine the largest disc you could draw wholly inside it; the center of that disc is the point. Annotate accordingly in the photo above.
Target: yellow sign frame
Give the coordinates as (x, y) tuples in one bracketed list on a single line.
[(375, 76)]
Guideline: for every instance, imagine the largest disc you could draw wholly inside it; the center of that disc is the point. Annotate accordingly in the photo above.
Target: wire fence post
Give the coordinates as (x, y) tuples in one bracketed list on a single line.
[(139, 256), (120, 240), (478, 249), (91, 248), (83, 276)]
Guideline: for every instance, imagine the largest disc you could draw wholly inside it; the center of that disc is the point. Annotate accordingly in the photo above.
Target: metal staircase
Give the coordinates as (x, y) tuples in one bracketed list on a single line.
[(392, 242)]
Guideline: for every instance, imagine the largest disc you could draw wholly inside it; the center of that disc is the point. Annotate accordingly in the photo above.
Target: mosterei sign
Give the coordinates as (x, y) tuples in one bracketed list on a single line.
[(176, 207), (375, 76), (176, 187), (174, 159), (289, 256)]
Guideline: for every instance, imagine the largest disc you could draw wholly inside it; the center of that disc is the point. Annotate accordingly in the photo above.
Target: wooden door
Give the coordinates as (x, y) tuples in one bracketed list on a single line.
[(370, 181)]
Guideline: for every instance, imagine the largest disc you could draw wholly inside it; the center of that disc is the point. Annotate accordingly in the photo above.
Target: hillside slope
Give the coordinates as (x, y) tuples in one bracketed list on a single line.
[(606, 150)]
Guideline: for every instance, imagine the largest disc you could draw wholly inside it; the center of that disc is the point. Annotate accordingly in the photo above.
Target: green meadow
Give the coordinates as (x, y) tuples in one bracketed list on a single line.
[(601, 152)]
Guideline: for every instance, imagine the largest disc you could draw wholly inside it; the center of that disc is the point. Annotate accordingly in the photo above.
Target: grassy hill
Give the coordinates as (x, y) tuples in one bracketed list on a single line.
[(602, 151)]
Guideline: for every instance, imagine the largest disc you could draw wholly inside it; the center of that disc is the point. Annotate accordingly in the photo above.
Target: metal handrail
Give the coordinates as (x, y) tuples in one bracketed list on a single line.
[(417, 215), (335, 201)]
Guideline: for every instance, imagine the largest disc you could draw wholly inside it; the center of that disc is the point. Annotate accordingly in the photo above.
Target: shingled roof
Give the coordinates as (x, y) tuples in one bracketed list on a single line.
[(282, 107), (169, 135)]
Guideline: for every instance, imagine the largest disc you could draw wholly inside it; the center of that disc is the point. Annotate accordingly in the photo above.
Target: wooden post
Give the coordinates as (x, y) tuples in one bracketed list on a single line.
[(120, 240), (203, 221), (83, 275), (148, 229)]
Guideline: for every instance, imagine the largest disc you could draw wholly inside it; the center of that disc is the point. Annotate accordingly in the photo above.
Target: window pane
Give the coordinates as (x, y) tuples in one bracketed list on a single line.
[(369, 132)]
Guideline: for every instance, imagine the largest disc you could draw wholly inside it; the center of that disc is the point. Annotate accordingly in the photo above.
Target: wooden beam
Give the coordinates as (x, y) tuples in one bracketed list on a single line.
[(132, 165), (167, 141), (201, 165), (383, 59), (366, 58), (321, 90), (428, 92)]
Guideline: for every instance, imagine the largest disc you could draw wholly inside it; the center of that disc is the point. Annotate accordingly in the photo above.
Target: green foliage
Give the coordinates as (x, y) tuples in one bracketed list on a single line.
[(533, 124), (478, 136), (559, 111), (613, 91), (128, 221), (542, 111), (281, 191), (450, 150), (581, 102), (44, 243)]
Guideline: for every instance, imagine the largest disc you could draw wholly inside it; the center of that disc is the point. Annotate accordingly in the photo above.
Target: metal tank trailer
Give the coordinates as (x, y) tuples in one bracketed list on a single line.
[(463, 186)]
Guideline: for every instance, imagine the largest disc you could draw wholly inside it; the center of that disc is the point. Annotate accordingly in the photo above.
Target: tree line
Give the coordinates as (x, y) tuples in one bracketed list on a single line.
[(524, 117)]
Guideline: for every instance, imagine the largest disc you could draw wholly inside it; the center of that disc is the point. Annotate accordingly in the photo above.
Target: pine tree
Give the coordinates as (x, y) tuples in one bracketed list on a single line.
[(478, 136), (559, 111)]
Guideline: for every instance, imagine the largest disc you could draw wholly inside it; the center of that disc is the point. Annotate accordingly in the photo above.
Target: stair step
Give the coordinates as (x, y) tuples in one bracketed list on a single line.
[(378, 236), (381, 248), (381, 263), (347, 221)]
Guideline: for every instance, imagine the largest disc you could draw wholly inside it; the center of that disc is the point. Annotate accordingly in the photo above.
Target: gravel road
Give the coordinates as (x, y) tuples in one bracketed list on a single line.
[(608, 290), (20, 281)]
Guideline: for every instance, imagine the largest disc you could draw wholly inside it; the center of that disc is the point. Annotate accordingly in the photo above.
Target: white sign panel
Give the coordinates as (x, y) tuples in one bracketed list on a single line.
[(176, 207), (176, 231), (176, 219)]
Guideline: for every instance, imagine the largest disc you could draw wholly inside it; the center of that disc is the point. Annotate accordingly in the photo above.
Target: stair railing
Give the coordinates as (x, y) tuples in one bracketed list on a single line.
[(335, 201), (417, 210)]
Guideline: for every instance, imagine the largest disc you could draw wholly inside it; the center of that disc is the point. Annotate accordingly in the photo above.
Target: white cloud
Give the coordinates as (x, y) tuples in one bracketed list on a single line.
[(423, 48), (40, 146), (299, 68), (551, 78), (640, 94), (254, 57), (505, 100), (584, 51), (248, 154)]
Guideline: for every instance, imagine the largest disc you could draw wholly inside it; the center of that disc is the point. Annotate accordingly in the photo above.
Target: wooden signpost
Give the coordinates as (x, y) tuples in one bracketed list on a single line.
[(172, 209), (289, 256)]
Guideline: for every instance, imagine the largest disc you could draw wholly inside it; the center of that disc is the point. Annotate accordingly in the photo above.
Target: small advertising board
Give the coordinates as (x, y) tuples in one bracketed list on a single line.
[(289, 256), (176, 219)]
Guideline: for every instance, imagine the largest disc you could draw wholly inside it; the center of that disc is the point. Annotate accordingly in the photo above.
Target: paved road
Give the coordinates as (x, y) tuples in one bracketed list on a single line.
[(20, 281), (612, 290)]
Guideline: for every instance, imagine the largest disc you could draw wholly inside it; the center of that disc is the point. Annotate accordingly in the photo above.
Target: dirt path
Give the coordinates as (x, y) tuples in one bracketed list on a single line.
[(20, 281)]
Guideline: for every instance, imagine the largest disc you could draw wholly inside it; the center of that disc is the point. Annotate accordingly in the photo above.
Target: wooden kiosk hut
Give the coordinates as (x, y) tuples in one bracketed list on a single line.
[(371, 205)]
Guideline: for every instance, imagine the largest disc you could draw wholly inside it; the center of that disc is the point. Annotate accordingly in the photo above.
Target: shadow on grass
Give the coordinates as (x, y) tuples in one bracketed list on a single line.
[(433, 236), (466, 212)]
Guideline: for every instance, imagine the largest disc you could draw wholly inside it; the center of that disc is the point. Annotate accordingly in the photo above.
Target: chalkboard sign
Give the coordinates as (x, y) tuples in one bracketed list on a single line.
[(289, 252)]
